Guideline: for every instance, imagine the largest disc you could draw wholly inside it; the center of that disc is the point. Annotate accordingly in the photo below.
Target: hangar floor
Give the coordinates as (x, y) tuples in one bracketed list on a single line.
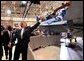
[(58, 53)]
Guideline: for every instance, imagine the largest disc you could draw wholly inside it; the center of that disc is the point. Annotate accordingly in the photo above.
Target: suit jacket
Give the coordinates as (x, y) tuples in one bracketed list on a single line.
[(23, 42), (6, 37), (1, 49)]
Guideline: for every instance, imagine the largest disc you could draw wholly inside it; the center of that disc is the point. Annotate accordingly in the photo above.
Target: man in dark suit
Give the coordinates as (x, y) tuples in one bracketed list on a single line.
[(1, 42), (23, 37), (1, 49), (7, 38)]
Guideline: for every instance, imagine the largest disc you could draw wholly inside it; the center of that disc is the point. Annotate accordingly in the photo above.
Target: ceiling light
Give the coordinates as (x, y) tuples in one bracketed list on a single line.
[(8, 11), (23, 2)]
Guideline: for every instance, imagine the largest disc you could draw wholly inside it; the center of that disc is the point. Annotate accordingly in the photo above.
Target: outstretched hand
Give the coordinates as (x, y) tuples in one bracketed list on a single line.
[(40, 19), (37, 18)]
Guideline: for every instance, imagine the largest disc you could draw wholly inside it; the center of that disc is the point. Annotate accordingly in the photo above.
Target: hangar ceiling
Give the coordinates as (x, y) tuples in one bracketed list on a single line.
[(19, 10)]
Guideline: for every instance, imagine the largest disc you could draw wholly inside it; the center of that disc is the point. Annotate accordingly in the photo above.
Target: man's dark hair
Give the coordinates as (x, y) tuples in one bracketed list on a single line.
[(2, 28), (9, 28)]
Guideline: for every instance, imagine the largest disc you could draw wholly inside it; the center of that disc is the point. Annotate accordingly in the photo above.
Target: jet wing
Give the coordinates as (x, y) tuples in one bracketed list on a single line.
[(54, 23)]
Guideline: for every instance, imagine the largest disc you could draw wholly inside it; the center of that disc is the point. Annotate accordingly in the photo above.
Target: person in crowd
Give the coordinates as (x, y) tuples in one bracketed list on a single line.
[(23, 37), (7, 41), (1, 42), (1, 50)]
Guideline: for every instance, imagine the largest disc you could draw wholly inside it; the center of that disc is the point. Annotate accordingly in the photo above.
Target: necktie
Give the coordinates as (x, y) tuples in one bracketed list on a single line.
[(22, 32), (10, 35)]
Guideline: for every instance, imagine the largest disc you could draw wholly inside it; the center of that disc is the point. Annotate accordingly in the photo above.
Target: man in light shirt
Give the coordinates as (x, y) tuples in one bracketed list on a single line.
[(23, 37)]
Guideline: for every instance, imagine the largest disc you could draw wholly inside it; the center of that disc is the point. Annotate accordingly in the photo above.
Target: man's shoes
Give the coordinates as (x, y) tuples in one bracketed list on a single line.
[(6, 57)]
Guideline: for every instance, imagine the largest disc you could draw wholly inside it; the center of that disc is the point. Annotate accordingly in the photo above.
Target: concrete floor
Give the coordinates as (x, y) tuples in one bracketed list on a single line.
[(4, 58), (48, 53), (56, 53)]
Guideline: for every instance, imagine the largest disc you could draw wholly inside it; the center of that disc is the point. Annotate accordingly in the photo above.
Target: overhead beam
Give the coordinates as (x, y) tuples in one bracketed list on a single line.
[(27, 9)]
